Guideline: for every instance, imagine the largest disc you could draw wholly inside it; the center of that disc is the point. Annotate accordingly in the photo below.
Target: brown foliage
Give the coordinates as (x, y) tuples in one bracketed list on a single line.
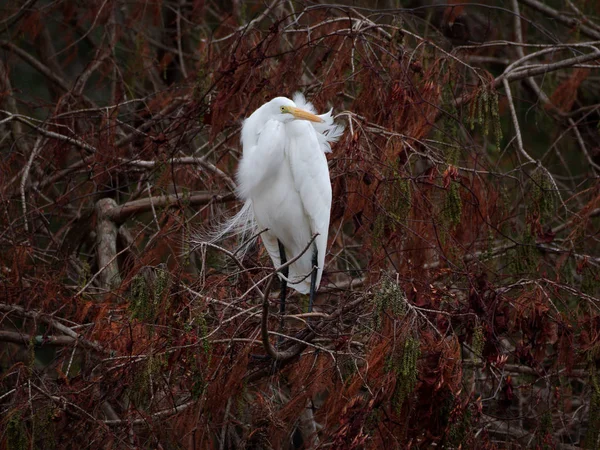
[(458, 307), (565, 94)]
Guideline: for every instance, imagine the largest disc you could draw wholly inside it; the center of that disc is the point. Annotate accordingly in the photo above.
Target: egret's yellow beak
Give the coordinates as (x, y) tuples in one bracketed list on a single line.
[(302, 114)]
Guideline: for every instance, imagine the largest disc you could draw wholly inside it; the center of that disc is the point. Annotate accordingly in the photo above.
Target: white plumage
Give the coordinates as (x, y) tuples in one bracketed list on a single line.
[(284, 182)]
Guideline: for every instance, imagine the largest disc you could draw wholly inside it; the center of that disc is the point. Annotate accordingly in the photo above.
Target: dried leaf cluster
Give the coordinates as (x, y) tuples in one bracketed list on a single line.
[(460, 302)]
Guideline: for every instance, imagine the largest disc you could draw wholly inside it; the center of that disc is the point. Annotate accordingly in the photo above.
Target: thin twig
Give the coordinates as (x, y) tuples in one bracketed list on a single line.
[(36, 149), (46, 318), (515, 120)]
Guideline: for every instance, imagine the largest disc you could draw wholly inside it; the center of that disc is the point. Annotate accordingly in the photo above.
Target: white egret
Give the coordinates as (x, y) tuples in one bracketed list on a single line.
[(283, 179)]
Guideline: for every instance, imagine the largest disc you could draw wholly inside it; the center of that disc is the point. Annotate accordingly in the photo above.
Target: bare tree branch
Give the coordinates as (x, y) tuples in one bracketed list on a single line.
[(121, 213)]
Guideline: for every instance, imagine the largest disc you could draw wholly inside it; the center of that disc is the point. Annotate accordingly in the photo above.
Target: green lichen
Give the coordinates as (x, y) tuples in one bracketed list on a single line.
[(484, 112), (483, 108), (452, 154), (145, 302), (404, 363), (85, 274), (567, 273), (140, 303), (186, 250), (590, 280), (44, 426), (496, 119), (198, 385), (161, 285), (16, 433), (478, 340), (544, 198), (452, 210), (203, 332), (347, 367), (388, 299), (202, 82), (593, 434), (489, 249), (378, 229), (396, 205), (544, 431), (526, 255), (460, 430), (401, 201), (144, 379)]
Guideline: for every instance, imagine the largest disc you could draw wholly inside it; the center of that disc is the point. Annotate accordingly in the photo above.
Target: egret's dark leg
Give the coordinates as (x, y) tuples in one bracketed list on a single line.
[(284, 272), (313, 280), (282, 260)]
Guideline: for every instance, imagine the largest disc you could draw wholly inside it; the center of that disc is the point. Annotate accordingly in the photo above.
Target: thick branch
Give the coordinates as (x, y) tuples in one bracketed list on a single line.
[(106, 241), (47, 133), (11, 105), (38, 315), (527, 71), (36, 64), (192, 160), (159, 415), (14, 18), (119, 214), (25, 339), (570, 22)]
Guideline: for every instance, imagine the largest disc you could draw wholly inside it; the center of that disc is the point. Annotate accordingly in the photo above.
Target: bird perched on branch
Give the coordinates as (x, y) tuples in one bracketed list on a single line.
[(283, 179)]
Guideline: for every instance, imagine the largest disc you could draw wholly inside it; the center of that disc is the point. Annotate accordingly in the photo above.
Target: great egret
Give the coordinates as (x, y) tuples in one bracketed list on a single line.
[(283, 179)]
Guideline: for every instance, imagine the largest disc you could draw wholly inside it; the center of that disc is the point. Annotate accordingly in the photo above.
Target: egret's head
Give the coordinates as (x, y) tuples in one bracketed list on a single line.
[(286, 110)]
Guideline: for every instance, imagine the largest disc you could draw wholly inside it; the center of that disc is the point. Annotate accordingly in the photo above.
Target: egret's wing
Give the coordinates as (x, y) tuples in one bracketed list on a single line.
[(262, 158), (311, 179)]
